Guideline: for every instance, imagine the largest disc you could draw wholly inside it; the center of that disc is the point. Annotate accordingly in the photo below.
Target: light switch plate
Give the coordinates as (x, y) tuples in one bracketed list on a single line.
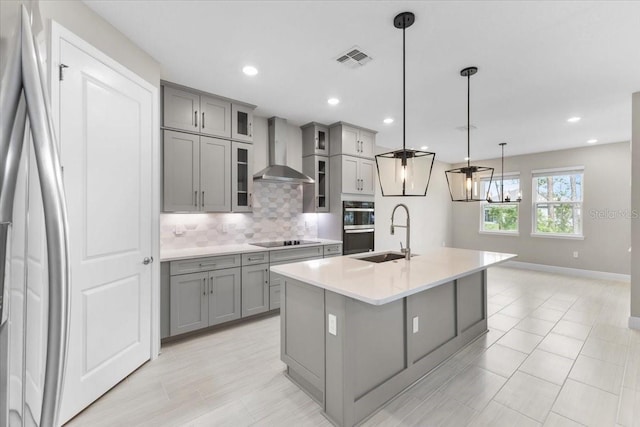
[(333, 324), (416, 324)]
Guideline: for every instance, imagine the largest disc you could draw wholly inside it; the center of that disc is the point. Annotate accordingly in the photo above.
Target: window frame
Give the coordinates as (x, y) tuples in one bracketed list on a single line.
[(565, 171), (484, 204)]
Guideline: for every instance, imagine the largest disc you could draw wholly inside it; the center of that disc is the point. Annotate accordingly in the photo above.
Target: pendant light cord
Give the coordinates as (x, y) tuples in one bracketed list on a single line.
[(404, 113), (502, 180), (468, 120)]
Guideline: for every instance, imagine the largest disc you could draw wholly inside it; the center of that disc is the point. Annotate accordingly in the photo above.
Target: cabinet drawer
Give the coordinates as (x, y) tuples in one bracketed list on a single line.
[(295, 254), (204, 264), (274, 297), (333, 250), (255, 258)]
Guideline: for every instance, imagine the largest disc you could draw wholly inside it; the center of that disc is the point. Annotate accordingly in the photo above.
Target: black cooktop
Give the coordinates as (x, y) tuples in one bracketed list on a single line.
[(280, 243)]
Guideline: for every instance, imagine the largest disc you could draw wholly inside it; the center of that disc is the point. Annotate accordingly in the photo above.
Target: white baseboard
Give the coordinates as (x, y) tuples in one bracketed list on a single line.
[(634, 322), (569, 271)]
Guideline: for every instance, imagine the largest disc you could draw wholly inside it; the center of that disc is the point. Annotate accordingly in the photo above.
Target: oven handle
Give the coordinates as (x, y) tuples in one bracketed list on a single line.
[(362, 230), (358, 209)]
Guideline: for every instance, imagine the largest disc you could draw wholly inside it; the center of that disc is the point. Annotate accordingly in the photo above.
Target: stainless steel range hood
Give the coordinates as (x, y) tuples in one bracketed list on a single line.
[(278, 171)]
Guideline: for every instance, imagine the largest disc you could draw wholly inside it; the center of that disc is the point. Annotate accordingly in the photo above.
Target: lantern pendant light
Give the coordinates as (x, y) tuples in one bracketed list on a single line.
[(404, 172), (465, 183), (503, 198)]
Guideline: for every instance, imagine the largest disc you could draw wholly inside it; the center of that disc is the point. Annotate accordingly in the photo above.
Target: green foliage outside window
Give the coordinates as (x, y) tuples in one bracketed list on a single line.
[(500, 218)]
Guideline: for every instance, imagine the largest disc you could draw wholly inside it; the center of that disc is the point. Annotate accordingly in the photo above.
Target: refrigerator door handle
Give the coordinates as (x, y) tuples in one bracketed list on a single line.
[(56, 226)]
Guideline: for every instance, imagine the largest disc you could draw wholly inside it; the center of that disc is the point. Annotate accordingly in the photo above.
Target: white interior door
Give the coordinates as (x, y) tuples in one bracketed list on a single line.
[(106, 136)]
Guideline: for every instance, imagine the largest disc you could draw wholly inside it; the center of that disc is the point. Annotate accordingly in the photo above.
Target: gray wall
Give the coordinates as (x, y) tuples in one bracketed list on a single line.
[(635, 205), (605, 247), (430, 215)]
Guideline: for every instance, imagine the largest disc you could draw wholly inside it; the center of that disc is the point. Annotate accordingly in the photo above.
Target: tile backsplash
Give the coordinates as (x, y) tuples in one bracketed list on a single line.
[(277, 215)]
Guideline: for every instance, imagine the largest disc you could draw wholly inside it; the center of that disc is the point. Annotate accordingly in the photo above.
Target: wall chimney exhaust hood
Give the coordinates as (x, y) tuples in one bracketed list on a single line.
[(278, 171)]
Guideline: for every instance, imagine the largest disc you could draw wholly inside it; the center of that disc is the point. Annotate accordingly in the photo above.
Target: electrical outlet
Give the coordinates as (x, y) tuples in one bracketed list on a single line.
[(575, 254), (416, 324), (333, 324)]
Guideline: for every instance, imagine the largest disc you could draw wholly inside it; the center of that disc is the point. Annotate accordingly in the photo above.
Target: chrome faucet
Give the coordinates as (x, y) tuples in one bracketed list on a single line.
[(406, 251)]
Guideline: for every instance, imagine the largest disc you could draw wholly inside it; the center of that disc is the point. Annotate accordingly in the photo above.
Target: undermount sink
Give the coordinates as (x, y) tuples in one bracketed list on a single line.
[(383, 257)]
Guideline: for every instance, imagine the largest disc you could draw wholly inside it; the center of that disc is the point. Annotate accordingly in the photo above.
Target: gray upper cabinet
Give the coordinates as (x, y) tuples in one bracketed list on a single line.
[(181, 109), (315, 139), (197, 176), (351, 140), (242, 122), (215, 116), (181, 171), (242, 177), (224, 295), (215, 175), (255, 289), (316, 196), (356, 175)]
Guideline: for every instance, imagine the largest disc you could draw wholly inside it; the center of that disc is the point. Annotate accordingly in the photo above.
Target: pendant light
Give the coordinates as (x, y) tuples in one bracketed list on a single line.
[(503, 198), (464, 183), (404, 172)]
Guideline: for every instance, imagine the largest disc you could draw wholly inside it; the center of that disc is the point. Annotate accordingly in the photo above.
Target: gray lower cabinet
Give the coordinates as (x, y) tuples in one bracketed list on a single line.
[(204, 299), (255, 289)]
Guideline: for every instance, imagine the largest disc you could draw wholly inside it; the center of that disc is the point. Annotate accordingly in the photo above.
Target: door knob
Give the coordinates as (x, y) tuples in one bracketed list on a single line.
[(147, 260)]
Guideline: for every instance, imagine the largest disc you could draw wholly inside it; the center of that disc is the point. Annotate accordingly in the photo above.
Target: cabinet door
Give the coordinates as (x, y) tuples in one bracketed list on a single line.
[(367, 174), (189, 298), (350, 141), (322, 184), (181, 177), (181, 109), (242, 177), (215, 175), (241, 123), (224, 295), (367, 144), (215, 117), (255, 289), (275, 282), (350, 178)]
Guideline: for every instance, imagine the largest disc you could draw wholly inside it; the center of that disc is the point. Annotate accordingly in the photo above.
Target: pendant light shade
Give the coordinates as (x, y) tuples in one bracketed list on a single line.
[(502, 197), (465, 183), (404, 172)]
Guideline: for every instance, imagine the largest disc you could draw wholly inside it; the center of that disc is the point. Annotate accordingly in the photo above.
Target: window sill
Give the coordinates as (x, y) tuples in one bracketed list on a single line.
[(500, 233), (559, 236)]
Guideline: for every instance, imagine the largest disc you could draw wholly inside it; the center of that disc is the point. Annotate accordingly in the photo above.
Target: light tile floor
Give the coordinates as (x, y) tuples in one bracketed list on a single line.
[(558, 353)]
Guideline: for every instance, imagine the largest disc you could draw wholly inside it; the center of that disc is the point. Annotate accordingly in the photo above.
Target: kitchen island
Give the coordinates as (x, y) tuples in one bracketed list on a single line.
[(355, 333)]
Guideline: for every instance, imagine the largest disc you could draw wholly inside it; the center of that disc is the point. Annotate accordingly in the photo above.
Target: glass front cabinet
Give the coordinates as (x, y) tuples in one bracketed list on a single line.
[(316, 195), (242, 177)]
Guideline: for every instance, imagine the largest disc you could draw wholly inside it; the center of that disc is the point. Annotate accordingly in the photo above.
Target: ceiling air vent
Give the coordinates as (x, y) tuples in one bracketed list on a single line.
[(354, 57)]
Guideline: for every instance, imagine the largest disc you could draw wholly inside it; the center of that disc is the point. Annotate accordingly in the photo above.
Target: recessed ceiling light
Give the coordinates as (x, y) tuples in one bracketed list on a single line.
[(333, 101), (424, 147), (388, 121), (575, 119), (592, 141), (250, 70)]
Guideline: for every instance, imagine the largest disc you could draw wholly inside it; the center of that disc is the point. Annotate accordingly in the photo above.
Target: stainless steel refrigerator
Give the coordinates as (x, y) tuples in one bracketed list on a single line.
[(34, 269)]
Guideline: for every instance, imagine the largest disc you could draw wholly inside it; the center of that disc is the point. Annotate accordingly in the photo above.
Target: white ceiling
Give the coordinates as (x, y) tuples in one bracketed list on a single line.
[(540, 62)]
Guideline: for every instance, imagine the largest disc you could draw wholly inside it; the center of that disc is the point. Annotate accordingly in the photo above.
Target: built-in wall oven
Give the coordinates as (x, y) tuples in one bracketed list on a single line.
[(358, 221)]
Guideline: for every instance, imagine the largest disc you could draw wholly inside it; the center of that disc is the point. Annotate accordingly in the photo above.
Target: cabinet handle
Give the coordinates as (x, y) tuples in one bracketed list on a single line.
[(251, 129), (207, 265), (203, 120), (195, 116), (357, 146), (250, 199), (204, 286), (211, 285), (202, 201), (316, 142), (317, 202), (195, 198)]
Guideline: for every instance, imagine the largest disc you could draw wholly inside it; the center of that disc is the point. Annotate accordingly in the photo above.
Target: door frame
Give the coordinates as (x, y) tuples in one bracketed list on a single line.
[(57, 33)]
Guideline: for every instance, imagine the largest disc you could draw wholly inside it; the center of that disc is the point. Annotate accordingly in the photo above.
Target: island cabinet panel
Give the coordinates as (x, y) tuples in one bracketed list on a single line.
[(435, 310), (376, 330), (471, 300)]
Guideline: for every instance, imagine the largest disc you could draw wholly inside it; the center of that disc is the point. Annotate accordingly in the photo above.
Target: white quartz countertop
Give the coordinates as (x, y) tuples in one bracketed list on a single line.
[(385, 282), (188, 253)]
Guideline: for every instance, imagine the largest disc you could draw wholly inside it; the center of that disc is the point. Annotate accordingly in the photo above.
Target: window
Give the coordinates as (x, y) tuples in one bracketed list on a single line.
[(557, 202), (500, 217)]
